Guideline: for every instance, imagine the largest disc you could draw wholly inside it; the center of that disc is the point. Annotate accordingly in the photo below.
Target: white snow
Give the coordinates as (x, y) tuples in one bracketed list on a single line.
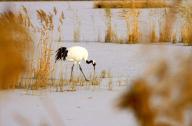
[(81, 108), (89, 106)]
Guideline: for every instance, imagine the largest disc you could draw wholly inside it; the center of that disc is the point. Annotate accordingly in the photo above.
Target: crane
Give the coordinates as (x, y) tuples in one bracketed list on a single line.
[(74, 54)]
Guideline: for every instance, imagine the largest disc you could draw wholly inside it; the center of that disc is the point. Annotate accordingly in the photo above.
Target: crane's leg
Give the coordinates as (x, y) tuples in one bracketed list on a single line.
[(71, 73), (82, 72)]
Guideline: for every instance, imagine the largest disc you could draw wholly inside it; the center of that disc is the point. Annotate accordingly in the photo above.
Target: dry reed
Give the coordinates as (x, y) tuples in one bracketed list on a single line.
[(153, 34), (186, 13), (77, 24), (131, 4), (105, 74), (61, 19), (170, 17), (133, 33), (110, 85), (14, 46), (78, 81), (110, 35), (162, 95), (42, 72), (55, 10)]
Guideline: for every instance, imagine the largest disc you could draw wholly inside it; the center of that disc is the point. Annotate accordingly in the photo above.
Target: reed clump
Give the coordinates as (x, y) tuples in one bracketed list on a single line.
[(24, 18), (79, 82), (153, 35), (46, 20), (166, 30), (134, 34), (43, 70), (61, 20), (77, 31), (165, 34), (163, 95), (185, 10), (131, 4), (105, 74), (132, 22), (110, 34), (75, 83), (14, 46)]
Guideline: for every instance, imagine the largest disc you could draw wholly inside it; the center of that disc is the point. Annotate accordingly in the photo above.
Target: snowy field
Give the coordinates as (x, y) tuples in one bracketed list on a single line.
[(87, 107)]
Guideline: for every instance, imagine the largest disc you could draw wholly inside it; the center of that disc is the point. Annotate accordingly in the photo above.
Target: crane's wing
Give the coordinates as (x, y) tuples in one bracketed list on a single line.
[(61, 54)]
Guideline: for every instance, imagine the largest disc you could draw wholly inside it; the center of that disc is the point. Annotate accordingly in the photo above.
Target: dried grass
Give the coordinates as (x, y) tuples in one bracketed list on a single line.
[(185, 11), (14, 46), (77, 24), (55, 10), (110, 35), (43, 71), (170, 17), (61, 19), (131, 4), (105, 74), (153, 35), (132, 21), (186, 33), (24, 18), (110, 85), (174, 38), (162, 95), (78, 82), (46, 20)]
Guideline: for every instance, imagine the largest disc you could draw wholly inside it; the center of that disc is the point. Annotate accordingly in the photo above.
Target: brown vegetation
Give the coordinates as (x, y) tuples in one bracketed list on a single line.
[(153, 34), (170, 17), (14, 46), (110, 35), (132, 23), (185, 11), (77, 24), (131, 4), (162, 95), (61, 19), (42, 72)]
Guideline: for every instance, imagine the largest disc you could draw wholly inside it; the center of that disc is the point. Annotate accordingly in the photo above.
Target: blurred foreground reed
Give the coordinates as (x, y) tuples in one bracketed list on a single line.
[(14, 46), (163, 95)]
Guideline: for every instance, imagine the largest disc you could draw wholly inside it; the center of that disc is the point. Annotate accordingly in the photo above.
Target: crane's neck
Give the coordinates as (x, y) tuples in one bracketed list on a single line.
[(92, 62), (89, 61)]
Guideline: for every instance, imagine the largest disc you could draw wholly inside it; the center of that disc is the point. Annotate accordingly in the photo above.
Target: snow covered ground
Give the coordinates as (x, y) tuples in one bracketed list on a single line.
[(86, 107), (81, 108)]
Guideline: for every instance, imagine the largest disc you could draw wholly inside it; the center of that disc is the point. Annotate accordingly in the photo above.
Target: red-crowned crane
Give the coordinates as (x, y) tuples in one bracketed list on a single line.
[(74, 54)]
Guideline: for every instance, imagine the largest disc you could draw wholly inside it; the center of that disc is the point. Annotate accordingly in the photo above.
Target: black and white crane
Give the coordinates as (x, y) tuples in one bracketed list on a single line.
[(74, 54)]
